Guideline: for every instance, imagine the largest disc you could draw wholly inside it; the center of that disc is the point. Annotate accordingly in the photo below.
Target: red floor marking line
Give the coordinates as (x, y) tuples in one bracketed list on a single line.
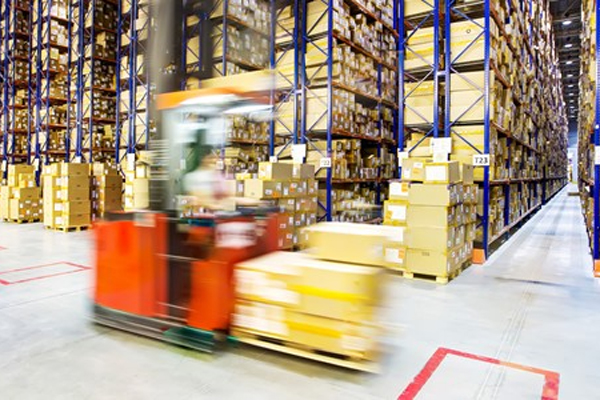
[(551, 378), (79, 268), (3, 248)]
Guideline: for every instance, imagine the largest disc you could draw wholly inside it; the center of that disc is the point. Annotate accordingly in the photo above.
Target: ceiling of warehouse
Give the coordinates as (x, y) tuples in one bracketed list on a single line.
[(567, 30)]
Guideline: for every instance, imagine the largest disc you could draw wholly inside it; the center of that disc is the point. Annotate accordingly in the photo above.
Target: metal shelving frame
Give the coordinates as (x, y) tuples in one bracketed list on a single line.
[(596, 140), (452, 66), (280, 97), (307, 133), (407, 28), (137, 78), (44, 75), (85, 88), (10, 84)]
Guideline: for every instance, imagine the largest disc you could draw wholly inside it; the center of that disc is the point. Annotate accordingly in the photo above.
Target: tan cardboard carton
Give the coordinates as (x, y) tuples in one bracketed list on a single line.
[(434, 195), (275, 171), (442, 172)]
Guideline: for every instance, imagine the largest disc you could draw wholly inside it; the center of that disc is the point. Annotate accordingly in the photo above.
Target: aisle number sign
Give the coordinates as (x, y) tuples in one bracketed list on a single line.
[(481, 160), (325, 162)]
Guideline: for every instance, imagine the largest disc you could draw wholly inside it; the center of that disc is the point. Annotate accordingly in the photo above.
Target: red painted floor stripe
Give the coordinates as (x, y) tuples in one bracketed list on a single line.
[(551, 379), (79, 268), (3, 248)]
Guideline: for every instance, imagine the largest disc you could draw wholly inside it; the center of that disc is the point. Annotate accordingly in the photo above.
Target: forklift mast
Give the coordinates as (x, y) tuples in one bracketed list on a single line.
[(168, 72)]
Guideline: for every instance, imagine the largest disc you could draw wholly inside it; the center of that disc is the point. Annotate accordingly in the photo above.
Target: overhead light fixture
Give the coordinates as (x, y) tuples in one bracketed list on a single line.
[(569, 62), (569, 75), (571, 85), (567, 22), (568, 45)]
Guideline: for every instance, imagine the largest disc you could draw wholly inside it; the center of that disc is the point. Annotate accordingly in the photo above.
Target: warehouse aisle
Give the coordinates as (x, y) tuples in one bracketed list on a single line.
[(534, 304)]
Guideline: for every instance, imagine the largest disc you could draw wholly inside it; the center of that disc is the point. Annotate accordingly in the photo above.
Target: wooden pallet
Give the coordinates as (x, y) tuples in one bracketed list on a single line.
[(298, 350), (21, 221), (69, 228), (441, 279)]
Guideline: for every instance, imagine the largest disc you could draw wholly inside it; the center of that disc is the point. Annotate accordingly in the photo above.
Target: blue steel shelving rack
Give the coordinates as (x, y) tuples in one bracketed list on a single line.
[(44, 75), (10, 83), (453, 66), (86, 89), (407, 28), (283, 95), (596, 140), (306, 133), (136, 111)]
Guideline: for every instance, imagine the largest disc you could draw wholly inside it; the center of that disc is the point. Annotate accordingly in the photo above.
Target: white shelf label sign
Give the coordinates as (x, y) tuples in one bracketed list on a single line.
[(441, 145), (325, 162), (402, 155), (130, 161), (597, 155), (273, 159), (298, 151), (481, 160), (3, 165)]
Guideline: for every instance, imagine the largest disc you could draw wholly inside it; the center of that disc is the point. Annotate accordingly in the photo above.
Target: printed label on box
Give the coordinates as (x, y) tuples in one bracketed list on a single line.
[(395, 256), (398, 212), (436, 173)]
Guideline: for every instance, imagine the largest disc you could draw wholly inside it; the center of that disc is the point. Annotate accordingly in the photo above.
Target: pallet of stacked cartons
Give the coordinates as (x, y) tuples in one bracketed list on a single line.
[(20, 199), (107, 188), (322, 310), (437, 202), (137, 181), (292, 188), (67, 193)]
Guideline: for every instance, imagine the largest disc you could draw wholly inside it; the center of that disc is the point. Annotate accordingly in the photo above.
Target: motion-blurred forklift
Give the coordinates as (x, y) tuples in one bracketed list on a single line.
[(160, 272)]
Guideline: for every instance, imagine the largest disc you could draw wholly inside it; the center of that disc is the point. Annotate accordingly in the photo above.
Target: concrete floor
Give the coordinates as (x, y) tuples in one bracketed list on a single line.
[(534, 303)]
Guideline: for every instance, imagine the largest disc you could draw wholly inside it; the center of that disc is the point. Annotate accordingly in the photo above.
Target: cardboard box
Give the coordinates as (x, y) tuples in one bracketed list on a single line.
[(303, 171), (74, 207), (71, 169), (332, 335), (108, 181), (347, 242), (18, 210), (399, 190), (80, 194), (434, 195), (434, 238), (26, 193), (72, 220), (75, 182), (305, 284), (432, 262), (262, 189), (442, 172), (413, 169), (467, 173), (4, 208), (100, 169), (275, 171), (432, 216), (395, 212)]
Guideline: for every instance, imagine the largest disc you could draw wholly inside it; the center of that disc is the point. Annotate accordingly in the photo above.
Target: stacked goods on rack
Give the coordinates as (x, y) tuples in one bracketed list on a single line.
[(66, 194), (587, 117), (98, 107), (244, 159), (51, 48), (293, 189), (20, 199), (526, 128), (137, 181), (437, 202), (135, 121), (315, 302), (354, 98), (15, 70), (107, 187)]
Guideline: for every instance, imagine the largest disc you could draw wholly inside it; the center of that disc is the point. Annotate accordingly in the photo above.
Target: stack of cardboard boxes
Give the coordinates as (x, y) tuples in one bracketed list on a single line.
[(20, 199), (437, 202), (66, 192), (291, 187), (137, 181), (311, 303), (107, 187)]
